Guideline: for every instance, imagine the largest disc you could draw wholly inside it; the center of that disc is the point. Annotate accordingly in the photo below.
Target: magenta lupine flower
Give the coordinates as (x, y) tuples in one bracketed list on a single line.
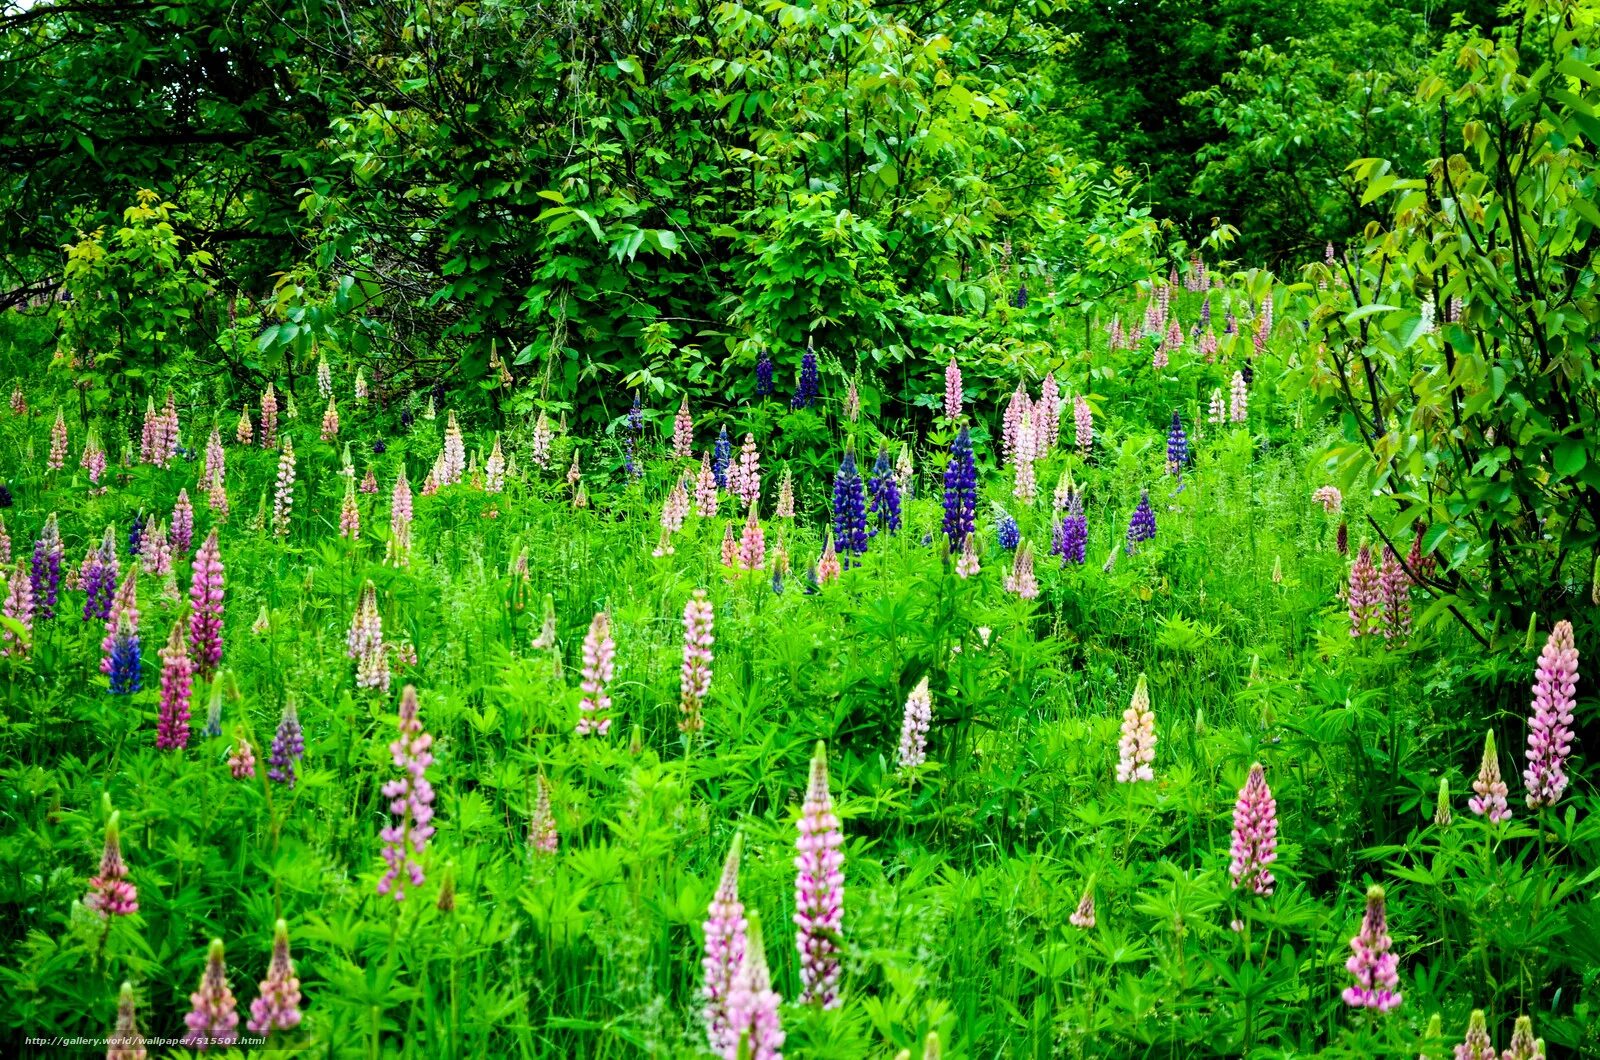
[(110, 893), (819, 889), (1372, 961), (1255, 834), (1136, 749), (952, 390), (283, 495), (599, 661), (206, 594), (752, 543), (124, 606), (828, 566), (1365, 595), (698, 638), (19, 606), (542, 834), (58, 444), (177, 688), (1083, 916), (1020, 579), (1083, 424), (150, 436), (398, 550), (182, 523), (213, 1017), (349, 514), (914, 726), (410, 801), (1238, 400), (278, 1007), (725, 928), (705, 489), (1489, 798), (1394, 589), (1550, 727), (126, 1043), (1330, 498), (753, 1004), (242, 759), (682, 431)]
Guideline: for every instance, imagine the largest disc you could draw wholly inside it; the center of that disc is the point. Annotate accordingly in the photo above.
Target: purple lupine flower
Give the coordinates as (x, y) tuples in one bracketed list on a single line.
[(1255, 834), (205, 601), (725, 927), (1071, 541), (599, 661), (136, 533), (1372, 960), (914, 726), (1020, 299), (721, 455), (100, 579), (177, 688), (124, 658), (1006, 530), (884, 489), (1142, 526), (1489, 790), (1550, 727), (807, 389), (1364, 595), (1177, 446), (849, 510), (1341, 539), (110, 893), (126, 1043), (410, 801), (288, 744), (819, 889), (278, 1007), (753, 1004), (960, 491), (1205, 313), (213, 1017), (764, 373), (181, 527), (45, 573)]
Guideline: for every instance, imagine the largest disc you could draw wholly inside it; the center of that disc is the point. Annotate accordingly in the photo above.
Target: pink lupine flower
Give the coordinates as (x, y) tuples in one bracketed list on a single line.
[(269, 418), (542, 437), (967, 563), (213, 1017), (744, 474), (1026, 487), (19, 402), (177, 689), (819, 889), (182, 523), (1477, 1045), (278, 1007), (330, 421), (350, 514), (58, 444), (364, 642), (1136, 750), (914, 726), (1083, 917), (599, 661), (828, 566), (575, 472), (361, 386), (245, 432), (206, 593), (150, 436), (398, 550), (1238, 400), (369, 482), (1047, 416), (167, 433), (1020, 579), (19, 606), (242, 760), (110, 893), (94, 457), (1394, 589), (753, 1004), (5, 546), (410, 801), (1329, 497), (785, 506), (695, 683), (1255, 834), (952, 389), (494, 469), (725, 927), (752, 543), (542, 834), (705, 489), (1524, 1046), (155, 553), (1489, 791), (1372, 962), (454, 455), (730, 547), (1550, 727), (283, 495), (1083, 424), (852, 401), (1364, 597), (217, 496), (682, 431), (676, 507), (1117, 339), (1011, 424), (126, 1043)]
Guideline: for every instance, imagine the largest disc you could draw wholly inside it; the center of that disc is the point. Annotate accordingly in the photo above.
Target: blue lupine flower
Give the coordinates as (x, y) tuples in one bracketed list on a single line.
[(1142, 527), (849, 511), (125, 677), (960, 491), (1205, 312), (885, 491), (763, 373), (1006, 530), (1071, 541), (135, 534), (1020, 299), (721, 453), (810, 382), (1177, 446)]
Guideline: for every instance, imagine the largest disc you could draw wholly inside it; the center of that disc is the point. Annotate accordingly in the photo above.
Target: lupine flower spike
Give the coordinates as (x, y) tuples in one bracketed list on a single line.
[(725, 928), (278, 1007), (1083, 917), (19, 605), (1136, 749), (682, 431), (599, 660), (849, 510), (410, 801), (952, 390), (213, 1017), (206, 594), (1477, 1045), (960, 491), (967, 564), (398, 550), (1255, 834), (110, 893), (819, 889), (914, 726), (283, 496), (242, 760), (1365, 595), (288, 745), (1550, 727), (695, 682), (753, 1004), (828, 566), (1524, 1046), (1142, 525), (177, 689), (126, 1043), (1489, 791), (1020, 579), (542, 835), (1372, 961)]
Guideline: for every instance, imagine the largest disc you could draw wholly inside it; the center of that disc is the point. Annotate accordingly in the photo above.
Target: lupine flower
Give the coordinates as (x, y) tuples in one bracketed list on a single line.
[(904, 473), (183, 522), (177, 689), (324, 377), (100, 579), (110, 893), (330, 421), (19, 402), (1082, 917), (676, 507), (206, 594), (744, 479), (1117, 339), (849, 510), (952, 390), (1006, 530), (1136, 750), (361, 385), (724, 929), (1489, 798), (1011, 426), (635, 424), (764, 373), (288, 745), (1142, 526), (730, 547), (1524, 1046), (136, 533), (494, 469), (960, 491), (1330, 498), (721, 455), (58, 444), (150, 442), (682, 431), (1477, 1044), (245, 432), (1047, 416), (695, 683), (398, 549), (542, 834), (1026, 486), (1218, 410), (269, 418), (852, 401), (216, 457), (124, 606), (1255, 834), (19, 605), (1020, 579), (808, 388), (1394, 589), (1071, 540), (819, 889), (914, 726), (45, 571), (1420, 563), (364, 642), (752, 543), (213, 1017), (369, 482), (1441, 808), (410, 801), (599, 661), (1177, 446), (753, 1004), (705, 490), (785, 508), (453, 456), (283, 497), (1083, 425), (94, 457), (263, 622), (5, 544), (1365, 595), (1372, 962), (542, 437), (1550, 726), (1341, 539), (278, 1007), (828, 566), (1239, 400), (350, 514), (126, 1043), (967, 563)]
